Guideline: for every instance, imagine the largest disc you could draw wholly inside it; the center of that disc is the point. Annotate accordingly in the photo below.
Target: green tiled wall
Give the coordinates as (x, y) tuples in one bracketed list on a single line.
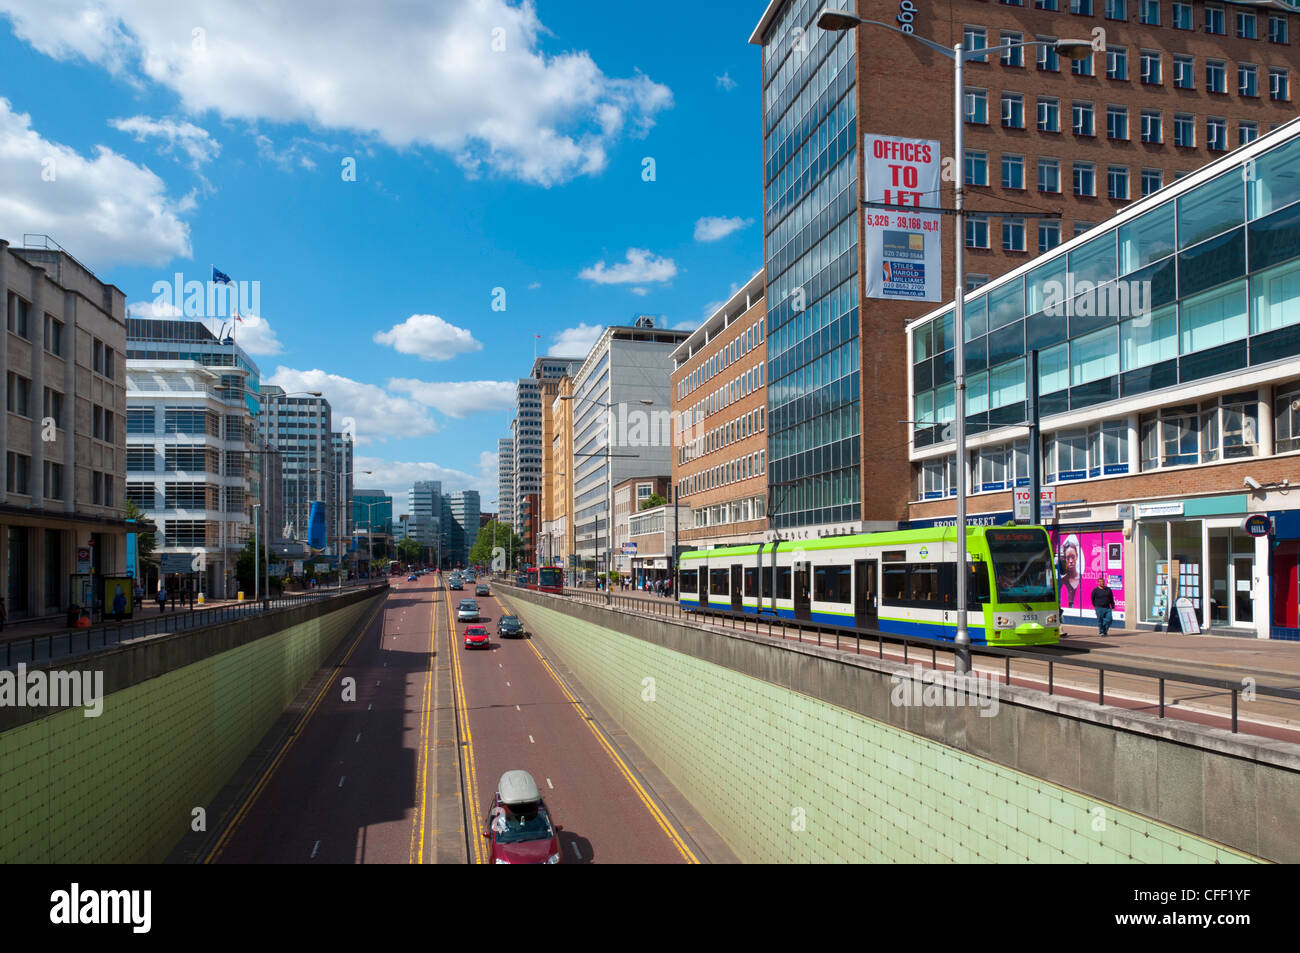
[(758, 761), (120, 788)]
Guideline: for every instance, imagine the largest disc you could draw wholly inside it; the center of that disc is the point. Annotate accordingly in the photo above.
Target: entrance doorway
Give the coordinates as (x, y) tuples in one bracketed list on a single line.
[(1231, 582), (866, 590)]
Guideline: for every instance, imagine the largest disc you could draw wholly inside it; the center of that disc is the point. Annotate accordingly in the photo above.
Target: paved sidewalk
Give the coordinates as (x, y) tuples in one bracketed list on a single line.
[(1230, 653)]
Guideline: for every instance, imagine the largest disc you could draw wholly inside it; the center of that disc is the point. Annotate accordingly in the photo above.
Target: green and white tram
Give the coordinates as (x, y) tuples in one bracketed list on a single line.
[(902, 582)]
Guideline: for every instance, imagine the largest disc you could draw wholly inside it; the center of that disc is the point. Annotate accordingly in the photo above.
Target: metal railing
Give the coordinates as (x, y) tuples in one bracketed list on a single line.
[(70, 641), (668, 607)]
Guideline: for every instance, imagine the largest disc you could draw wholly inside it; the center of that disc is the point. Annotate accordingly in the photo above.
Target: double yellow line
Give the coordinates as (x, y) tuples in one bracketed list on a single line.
[(429, 704), (604, 742), (472, 822), (306, 716)]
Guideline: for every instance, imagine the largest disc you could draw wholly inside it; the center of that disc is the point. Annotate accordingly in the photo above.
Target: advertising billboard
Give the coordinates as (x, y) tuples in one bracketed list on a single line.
[(902, 249), (1086, 555)]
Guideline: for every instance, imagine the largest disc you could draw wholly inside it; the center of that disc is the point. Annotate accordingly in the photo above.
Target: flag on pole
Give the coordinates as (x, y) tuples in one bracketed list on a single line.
[(220, 277)]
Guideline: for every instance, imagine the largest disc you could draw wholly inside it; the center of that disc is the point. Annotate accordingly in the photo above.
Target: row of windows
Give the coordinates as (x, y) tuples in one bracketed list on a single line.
[(749, 339), (18, 319), (746, 425), (733, 511), (743, 468), (18, 477), (1181, 17)]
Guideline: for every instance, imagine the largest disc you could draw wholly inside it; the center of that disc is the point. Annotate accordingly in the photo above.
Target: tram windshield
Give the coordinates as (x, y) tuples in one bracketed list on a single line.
[(1022, 564)]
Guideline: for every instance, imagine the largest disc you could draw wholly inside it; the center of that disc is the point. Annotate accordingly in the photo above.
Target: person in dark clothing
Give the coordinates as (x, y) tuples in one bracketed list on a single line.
[(1103, 600), (162, 599)]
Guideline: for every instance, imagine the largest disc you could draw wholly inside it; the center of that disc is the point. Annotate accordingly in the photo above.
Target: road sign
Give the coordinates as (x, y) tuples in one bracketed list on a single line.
[(83, 559)]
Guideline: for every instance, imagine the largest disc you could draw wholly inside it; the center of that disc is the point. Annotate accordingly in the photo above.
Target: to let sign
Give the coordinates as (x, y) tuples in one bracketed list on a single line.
[(902, 242), (1024, 508), (1047, 503)]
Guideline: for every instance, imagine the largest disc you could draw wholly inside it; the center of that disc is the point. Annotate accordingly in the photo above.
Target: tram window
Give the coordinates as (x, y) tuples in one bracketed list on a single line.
[(895, 584), (924, 584), (689, 580), (783, 582), (977, 589), (767, 582), (718, 582), (751, 582), (833, 584), (921, 585)]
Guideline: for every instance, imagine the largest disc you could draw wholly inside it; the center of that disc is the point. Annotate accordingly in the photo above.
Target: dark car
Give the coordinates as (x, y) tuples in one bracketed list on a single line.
[(482, 589), (519, 827), (509, 625)]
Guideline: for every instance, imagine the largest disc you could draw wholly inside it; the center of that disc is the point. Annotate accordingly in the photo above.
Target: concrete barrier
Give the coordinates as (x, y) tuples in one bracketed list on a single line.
[(795, 753), (179, 714)]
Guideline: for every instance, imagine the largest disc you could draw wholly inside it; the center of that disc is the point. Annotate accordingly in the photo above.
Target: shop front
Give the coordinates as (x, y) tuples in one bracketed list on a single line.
[(1200, 550), (1284, 573)]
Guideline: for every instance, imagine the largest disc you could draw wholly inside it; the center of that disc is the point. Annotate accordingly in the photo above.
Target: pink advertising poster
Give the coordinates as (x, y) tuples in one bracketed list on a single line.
[(1084, 558)]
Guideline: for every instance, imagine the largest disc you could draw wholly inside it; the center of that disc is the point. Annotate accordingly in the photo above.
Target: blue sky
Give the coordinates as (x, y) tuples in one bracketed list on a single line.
[(495, 146)]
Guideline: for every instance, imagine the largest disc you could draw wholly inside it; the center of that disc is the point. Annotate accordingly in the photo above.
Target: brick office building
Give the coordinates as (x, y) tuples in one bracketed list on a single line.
[(1178, 85), (719, 400)]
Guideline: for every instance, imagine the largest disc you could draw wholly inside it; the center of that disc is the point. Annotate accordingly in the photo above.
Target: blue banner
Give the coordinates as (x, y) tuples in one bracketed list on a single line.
[(316, 535)]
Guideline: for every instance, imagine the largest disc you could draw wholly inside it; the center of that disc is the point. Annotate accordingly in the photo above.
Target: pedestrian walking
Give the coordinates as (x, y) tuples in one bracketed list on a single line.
[(1103, 600), (162, 598)]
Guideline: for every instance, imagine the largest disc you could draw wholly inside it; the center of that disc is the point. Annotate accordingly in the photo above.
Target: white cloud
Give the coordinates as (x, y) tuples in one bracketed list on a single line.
[(474, 83), (711, 229), (576, 342), (429, 337), (154, 309), (104, 210), (176, 134), (725, 82), (688, 325), (641, 292), (254, 334), (534, 286), (396, 476), (378, 415), (641, 267), (458, 399)]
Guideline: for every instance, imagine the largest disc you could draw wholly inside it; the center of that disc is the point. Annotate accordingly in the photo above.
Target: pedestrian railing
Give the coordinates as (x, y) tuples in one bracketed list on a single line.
[(915, 648), (71, 641)]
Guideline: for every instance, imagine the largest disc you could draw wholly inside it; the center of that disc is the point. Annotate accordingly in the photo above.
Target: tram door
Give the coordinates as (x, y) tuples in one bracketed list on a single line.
[(704, 584), (802, 592), (736, 590), (866, 593)]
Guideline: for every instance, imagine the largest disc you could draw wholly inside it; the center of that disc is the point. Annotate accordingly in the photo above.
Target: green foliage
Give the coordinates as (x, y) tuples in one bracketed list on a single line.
[(505, 537), (145, 541), (653, 500), (251, 555), (408, 550)]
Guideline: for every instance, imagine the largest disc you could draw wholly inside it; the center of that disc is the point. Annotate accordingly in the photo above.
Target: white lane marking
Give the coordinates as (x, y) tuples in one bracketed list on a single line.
[(370, 706), (576, 853), (507, 684), (377, 684), (342, 779), (314, 849), (517, 708), (549, 784), (531, 741), (499, 665), (357, 738)]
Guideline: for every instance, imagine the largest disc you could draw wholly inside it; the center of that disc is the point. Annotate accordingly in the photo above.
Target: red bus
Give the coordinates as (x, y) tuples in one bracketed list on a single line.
[(546, 579)]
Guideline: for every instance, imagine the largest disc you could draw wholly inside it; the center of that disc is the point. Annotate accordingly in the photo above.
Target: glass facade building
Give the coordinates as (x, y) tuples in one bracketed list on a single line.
[(810, 196)]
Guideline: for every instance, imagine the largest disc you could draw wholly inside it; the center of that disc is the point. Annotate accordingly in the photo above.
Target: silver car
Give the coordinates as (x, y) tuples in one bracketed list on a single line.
[(468, 611)]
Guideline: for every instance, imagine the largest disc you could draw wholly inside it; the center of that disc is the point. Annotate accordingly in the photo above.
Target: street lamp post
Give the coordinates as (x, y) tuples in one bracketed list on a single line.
[(338, 477), (839, 20)]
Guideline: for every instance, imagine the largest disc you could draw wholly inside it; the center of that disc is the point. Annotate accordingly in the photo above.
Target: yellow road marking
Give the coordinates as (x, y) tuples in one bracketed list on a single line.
[(636, 786), (429, 699), (462, 713), (247, 806)]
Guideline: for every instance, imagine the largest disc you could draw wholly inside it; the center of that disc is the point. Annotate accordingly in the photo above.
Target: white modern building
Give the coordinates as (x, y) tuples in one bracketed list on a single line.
[(506, 480)]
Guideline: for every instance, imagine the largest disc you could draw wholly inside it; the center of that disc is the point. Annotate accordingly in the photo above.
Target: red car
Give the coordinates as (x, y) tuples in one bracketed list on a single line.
[(519, 827), (476, 637)]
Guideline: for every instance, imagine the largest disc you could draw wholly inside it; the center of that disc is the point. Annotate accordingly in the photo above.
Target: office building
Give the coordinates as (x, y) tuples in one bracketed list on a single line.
[(557, 527), (193, 457), (1051, 150), (372, 518), (300, 428), (341, 453), (643, 535), (426, 525), (62, 431), (460, 513), (719, 398), (506, 479), (1168, 350)]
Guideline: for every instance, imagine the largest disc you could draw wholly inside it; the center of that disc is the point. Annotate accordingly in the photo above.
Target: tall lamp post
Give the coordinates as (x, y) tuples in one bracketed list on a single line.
[(609, 482), (840, 20), (338, 477)]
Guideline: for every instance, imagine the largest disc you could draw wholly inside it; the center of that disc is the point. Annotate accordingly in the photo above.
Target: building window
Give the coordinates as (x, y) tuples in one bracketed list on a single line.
[(977, 168), (1049, 236), (1117, 122), (1081, 227), (1013, 110), (1182, 16), (975, 282), (1049, 61), (1216, 134), (977, 232), (1149, 12), (1051, 5), (1084, 179), (1277, 28), (1151, 126), (53, 335), (1081, 67), (1216, 76), (1013, 172), (1247, 132), (1184, 76), (1116, 9), (1247, 79), (1013, 234), (53, 480), (1215, 21), (54, 405), (1286, 420), (18, 472), (140, 459), (20, 395), (1117, 182), (1082, 114), (139, 420), (977, 106), (1149, 67), (1279, 84), (97, 356), (1082, 8), (19, 317), (1117, 62), (1016, 55), (1152, 180), (975, 38), (1184, 130), (1049, 175), (1049, 115), (1246, 25)]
